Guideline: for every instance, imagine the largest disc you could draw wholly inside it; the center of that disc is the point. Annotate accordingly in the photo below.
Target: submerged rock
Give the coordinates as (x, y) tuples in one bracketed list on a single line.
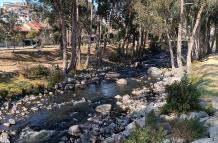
[(103, 109), (122, 81)]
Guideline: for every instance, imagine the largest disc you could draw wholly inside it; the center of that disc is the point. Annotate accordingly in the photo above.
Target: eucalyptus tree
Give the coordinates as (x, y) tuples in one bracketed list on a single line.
[(199, 8), (9, 27), (90, 32)]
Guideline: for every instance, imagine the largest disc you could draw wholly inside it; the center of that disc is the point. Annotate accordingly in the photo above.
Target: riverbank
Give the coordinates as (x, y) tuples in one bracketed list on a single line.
[(206, 73)]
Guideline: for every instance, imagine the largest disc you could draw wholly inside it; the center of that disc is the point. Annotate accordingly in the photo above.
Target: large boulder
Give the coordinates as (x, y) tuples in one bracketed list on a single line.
[(213, 131), (103, 109), (122, 81), (154, 72)]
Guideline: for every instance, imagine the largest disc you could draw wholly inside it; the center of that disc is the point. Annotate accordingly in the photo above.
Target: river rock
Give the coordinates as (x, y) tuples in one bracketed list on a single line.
[(204, 140), (112, 75), (35, 137), (215, 102), (198, 115), (103, 109), (140, 122), (11, 121), (75, 130), (154, 72), (212, 121), (6, 124), (34, 109), (183, 117), (4, 138), (213, 131), (122, 81), (118, 97)]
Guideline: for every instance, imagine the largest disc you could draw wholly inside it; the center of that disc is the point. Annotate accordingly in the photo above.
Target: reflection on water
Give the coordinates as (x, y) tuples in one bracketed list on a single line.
[(62, 118)]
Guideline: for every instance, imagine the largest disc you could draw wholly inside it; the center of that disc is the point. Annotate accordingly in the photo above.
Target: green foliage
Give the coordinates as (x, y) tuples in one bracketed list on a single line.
[(56, 75), (146, 135), (188, 129), (35, 71), (210, 110), (182, 97), (3, 94), (151, 134)]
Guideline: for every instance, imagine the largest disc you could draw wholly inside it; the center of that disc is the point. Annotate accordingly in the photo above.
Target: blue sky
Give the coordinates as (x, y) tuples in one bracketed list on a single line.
[(1, 1)]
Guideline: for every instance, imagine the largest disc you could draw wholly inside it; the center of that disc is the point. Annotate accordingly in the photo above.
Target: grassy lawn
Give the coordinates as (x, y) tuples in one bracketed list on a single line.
[(206, 73)]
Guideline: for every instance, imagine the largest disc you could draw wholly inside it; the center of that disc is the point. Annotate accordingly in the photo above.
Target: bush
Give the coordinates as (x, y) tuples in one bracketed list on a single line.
[(3, 94), (56, 75), (182, 97), (35, 72), (151, 134), (188, 130), (146, 135)]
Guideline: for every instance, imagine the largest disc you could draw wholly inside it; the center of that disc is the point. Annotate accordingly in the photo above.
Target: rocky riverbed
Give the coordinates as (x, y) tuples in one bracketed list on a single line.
[(53, 116)]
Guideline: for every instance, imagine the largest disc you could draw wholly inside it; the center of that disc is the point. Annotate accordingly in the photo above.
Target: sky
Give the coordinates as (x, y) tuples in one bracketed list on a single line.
[(1, 1)]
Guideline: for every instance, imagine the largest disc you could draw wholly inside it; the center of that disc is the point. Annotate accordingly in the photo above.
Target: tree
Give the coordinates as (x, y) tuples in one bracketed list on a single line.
[(179, 40), (90, 35)]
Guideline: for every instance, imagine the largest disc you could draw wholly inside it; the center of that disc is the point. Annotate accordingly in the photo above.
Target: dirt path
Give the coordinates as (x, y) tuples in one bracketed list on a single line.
[(207, 72), (22, 57)]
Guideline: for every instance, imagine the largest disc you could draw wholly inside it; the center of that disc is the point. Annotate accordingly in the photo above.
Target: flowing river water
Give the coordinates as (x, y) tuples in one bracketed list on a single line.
[(48, 125)]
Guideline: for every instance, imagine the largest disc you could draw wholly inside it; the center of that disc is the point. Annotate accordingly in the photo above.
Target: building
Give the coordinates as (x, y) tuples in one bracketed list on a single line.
[(22, 10), (32, 26)]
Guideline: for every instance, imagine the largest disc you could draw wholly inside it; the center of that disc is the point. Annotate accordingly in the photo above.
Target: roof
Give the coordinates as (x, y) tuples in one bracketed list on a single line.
[(32, 26)]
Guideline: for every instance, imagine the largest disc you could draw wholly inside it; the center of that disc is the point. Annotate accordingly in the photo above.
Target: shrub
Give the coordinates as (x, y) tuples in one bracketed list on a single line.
[(182, 97), (188, 130), (151, 134), (146, 135), (3, 94), (35, 71), (56, 75)]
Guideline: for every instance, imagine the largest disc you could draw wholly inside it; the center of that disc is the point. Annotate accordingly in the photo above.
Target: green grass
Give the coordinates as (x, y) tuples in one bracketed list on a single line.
[(19, 84), (188, 130)]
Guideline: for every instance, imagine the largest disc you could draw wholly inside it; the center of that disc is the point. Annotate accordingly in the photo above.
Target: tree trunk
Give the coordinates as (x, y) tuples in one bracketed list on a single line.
[(216, 38), (140, 39), (170, 46), (192, 39), (61, 47), (90, 36), (64, 44), (74, 37), (98, 44), (207, 38), (79, 40), (179, 41)]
